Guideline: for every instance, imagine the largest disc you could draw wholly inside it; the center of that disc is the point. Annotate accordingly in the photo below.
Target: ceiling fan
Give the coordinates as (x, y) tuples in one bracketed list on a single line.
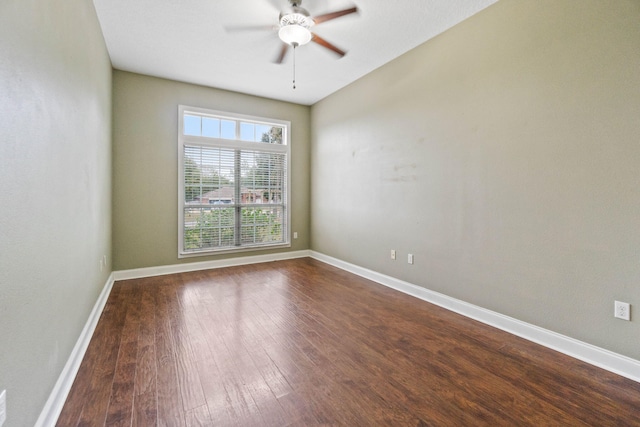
[(294, 28)]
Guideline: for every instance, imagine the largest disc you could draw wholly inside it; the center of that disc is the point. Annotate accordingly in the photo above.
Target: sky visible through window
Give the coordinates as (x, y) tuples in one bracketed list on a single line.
[(226, 129)]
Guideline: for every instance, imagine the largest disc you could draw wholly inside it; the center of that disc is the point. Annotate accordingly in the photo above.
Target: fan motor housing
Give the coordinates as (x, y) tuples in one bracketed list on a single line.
[(298, 16)]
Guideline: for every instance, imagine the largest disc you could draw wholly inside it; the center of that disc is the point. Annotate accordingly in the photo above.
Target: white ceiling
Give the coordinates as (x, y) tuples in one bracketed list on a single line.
[(187, 41)]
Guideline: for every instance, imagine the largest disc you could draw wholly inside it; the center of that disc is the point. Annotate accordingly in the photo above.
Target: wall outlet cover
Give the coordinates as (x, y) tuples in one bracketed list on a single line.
[(622, 310)]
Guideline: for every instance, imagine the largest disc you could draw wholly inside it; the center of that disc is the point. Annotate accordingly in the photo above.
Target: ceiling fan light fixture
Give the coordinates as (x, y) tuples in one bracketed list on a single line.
[(294, 34)]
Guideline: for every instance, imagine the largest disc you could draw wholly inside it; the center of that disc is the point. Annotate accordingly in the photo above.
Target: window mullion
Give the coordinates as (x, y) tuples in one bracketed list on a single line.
[(237, 196)]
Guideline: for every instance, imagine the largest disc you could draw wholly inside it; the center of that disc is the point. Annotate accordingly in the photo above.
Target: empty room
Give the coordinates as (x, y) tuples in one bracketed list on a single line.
[(319, 212)]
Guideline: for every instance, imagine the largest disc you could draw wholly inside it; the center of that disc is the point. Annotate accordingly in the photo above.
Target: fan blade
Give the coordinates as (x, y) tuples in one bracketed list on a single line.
[(333, 15), (322, 42), (282, 54), (238, 28)]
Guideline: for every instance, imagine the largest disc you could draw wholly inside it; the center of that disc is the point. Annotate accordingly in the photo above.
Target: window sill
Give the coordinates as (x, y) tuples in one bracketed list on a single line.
[(232, 251)]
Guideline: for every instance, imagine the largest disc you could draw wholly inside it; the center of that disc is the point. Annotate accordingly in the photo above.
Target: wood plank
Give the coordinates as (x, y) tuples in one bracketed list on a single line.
[(146, 371), (199, 417), (120, 409), (170, 409), (186, 370), (145, 401), (145, 409)]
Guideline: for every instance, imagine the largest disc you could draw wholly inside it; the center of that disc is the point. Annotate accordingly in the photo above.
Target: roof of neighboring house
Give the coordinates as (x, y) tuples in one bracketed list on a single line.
[(220, 193), (228, 192)]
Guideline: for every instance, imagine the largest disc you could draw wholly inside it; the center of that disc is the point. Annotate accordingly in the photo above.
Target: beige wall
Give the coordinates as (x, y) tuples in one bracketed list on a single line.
[(145, 164), (504, 154), (55, 203)]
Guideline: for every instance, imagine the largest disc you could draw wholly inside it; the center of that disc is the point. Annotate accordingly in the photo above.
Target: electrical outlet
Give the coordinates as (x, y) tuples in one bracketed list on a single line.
[(410, 259), (101, 265), (393, 254), (3, 407), (622, 310)]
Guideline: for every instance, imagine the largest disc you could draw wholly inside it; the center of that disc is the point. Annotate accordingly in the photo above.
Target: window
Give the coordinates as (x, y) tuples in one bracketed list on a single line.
[(233, 182)]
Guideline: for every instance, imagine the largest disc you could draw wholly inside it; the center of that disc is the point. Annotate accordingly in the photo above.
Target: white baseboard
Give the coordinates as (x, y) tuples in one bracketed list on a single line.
[(605, 359), (138, 273), (52, 409), (602, 358)]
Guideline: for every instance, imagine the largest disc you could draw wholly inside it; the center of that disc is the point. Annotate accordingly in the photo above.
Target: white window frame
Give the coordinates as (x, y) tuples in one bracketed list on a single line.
[(284, 148)]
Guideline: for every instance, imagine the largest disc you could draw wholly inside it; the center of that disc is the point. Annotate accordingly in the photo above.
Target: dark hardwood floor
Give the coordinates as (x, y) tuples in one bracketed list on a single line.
[(302, 343)]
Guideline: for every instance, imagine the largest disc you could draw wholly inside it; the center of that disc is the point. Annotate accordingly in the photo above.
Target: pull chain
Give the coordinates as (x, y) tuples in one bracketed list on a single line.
[(294, 64)]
